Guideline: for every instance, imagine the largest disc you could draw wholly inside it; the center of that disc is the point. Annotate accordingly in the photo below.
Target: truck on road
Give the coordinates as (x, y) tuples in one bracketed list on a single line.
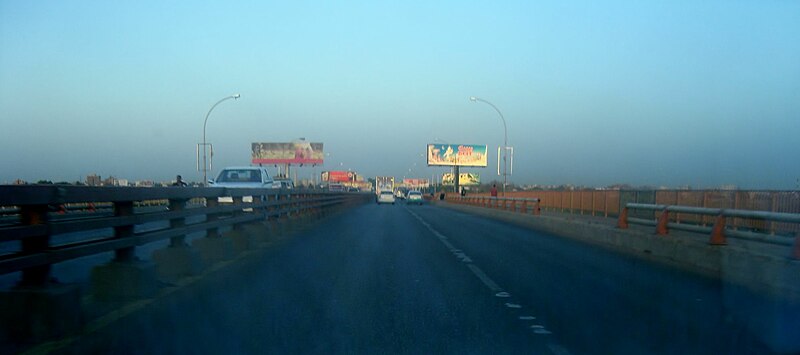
[(384, 183)]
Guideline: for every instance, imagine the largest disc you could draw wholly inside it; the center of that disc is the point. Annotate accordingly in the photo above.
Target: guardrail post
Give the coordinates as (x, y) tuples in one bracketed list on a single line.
[(537, 210), (177, 260), (240, 241), (126, 277), (213, 247), (622, 223), (524, 206), (37, 309), (35, 215), (661, 227), (718, 232)]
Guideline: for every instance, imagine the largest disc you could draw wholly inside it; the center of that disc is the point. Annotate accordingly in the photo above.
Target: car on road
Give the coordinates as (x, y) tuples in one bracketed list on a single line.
[(243, 177), (283, 183), (385, 196), (414, 196)]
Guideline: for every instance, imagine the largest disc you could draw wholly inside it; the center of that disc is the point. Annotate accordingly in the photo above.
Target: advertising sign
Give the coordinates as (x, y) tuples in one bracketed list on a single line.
[(464, 179), (415, 183), (338, 176), (299, 152), (457, 154)]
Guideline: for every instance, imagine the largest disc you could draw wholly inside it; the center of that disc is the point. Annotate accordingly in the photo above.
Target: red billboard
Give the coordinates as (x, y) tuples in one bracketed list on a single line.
[(338, 176), (298, 152), (415, 182)]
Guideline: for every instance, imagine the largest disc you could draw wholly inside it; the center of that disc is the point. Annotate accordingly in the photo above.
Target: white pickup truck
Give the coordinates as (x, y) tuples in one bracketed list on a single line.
[(243, 177)]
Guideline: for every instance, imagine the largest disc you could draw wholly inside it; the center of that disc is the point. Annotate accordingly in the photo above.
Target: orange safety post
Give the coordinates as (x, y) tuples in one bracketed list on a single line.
[(536, 209), (91, 207), (796, 252), (718, 232), (622, 223), (62, 209), (524, 207), (661, 227)]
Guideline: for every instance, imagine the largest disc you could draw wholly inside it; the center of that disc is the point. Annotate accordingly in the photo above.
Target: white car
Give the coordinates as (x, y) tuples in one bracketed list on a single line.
[(385, 196), (243, 177), (283, 184), (414, 196)]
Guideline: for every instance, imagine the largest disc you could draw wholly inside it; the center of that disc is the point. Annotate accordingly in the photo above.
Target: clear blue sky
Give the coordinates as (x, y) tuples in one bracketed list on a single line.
[(702, 93)]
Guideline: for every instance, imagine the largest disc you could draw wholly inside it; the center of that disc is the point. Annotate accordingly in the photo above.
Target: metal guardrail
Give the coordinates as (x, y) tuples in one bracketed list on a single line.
[(667, 220), (36, 218), (609, 203), (515, 204)]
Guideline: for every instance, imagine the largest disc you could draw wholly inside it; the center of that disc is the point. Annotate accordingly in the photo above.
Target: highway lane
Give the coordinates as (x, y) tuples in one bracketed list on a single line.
[(421, 279)]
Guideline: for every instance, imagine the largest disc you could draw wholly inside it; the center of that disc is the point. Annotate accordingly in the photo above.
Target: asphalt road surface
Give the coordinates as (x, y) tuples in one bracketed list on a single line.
[(428, 280)]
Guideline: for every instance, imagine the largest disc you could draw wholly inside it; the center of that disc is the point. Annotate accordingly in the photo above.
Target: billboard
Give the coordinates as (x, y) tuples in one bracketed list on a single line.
[(420, 183), (457, 154), (464, 179), (299, 152), (338, 176)]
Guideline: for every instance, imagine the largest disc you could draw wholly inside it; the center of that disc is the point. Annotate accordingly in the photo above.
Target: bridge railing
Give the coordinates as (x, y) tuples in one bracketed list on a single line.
[(34, 214), (718, 232), (726, 222), (609, 203), (41, 226), (514, 204)]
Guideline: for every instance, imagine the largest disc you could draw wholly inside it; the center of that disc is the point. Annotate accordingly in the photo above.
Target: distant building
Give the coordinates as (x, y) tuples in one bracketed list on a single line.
[(93, 180), (728, 187), (122, 182), (111, 181), (144, 183)]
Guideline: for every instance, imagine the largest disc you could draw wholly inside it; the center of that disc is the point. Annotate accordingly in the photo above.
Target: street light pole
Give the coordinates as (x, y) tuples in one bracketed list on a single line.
[(205, 122), (505, 139)]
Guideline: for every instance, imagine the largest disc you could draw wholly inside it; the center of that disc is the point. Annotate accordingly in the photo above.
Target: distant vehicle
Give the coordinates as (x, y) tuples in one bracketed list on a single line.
[(414, 196), (385, 196), (243, 177), (399, 194), (384, 183), (283, 183), (352, 189)]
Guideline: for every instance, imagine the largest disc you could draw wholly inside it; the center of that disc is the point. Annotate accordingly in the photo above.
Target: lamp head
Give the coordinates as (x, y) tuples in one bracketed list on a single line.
[(236, 96), (473, 98)]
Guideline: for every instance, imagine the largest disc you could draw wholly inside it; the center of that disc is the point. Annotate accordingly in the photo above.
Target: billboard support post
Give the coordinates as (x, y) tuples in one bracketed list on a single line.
[(456, 178)]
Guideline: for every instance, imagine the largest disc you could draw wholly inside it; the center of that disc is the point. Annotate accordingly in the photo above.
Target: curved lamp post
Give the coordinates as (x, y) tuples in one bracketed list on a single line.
[(505, 138), (205, 122)]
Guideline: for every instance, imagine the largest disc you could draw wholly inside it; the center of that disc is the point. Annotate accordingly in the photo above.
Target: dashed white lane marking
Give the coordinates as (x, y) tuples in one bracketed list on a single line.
[(485, 279), (447, 244), (537, 329)]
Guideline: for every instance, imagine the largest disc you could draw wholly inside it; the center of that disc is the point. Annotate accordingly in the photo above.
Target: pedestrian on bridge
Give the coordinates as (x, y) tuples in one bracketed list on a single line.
[(179, 182)]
